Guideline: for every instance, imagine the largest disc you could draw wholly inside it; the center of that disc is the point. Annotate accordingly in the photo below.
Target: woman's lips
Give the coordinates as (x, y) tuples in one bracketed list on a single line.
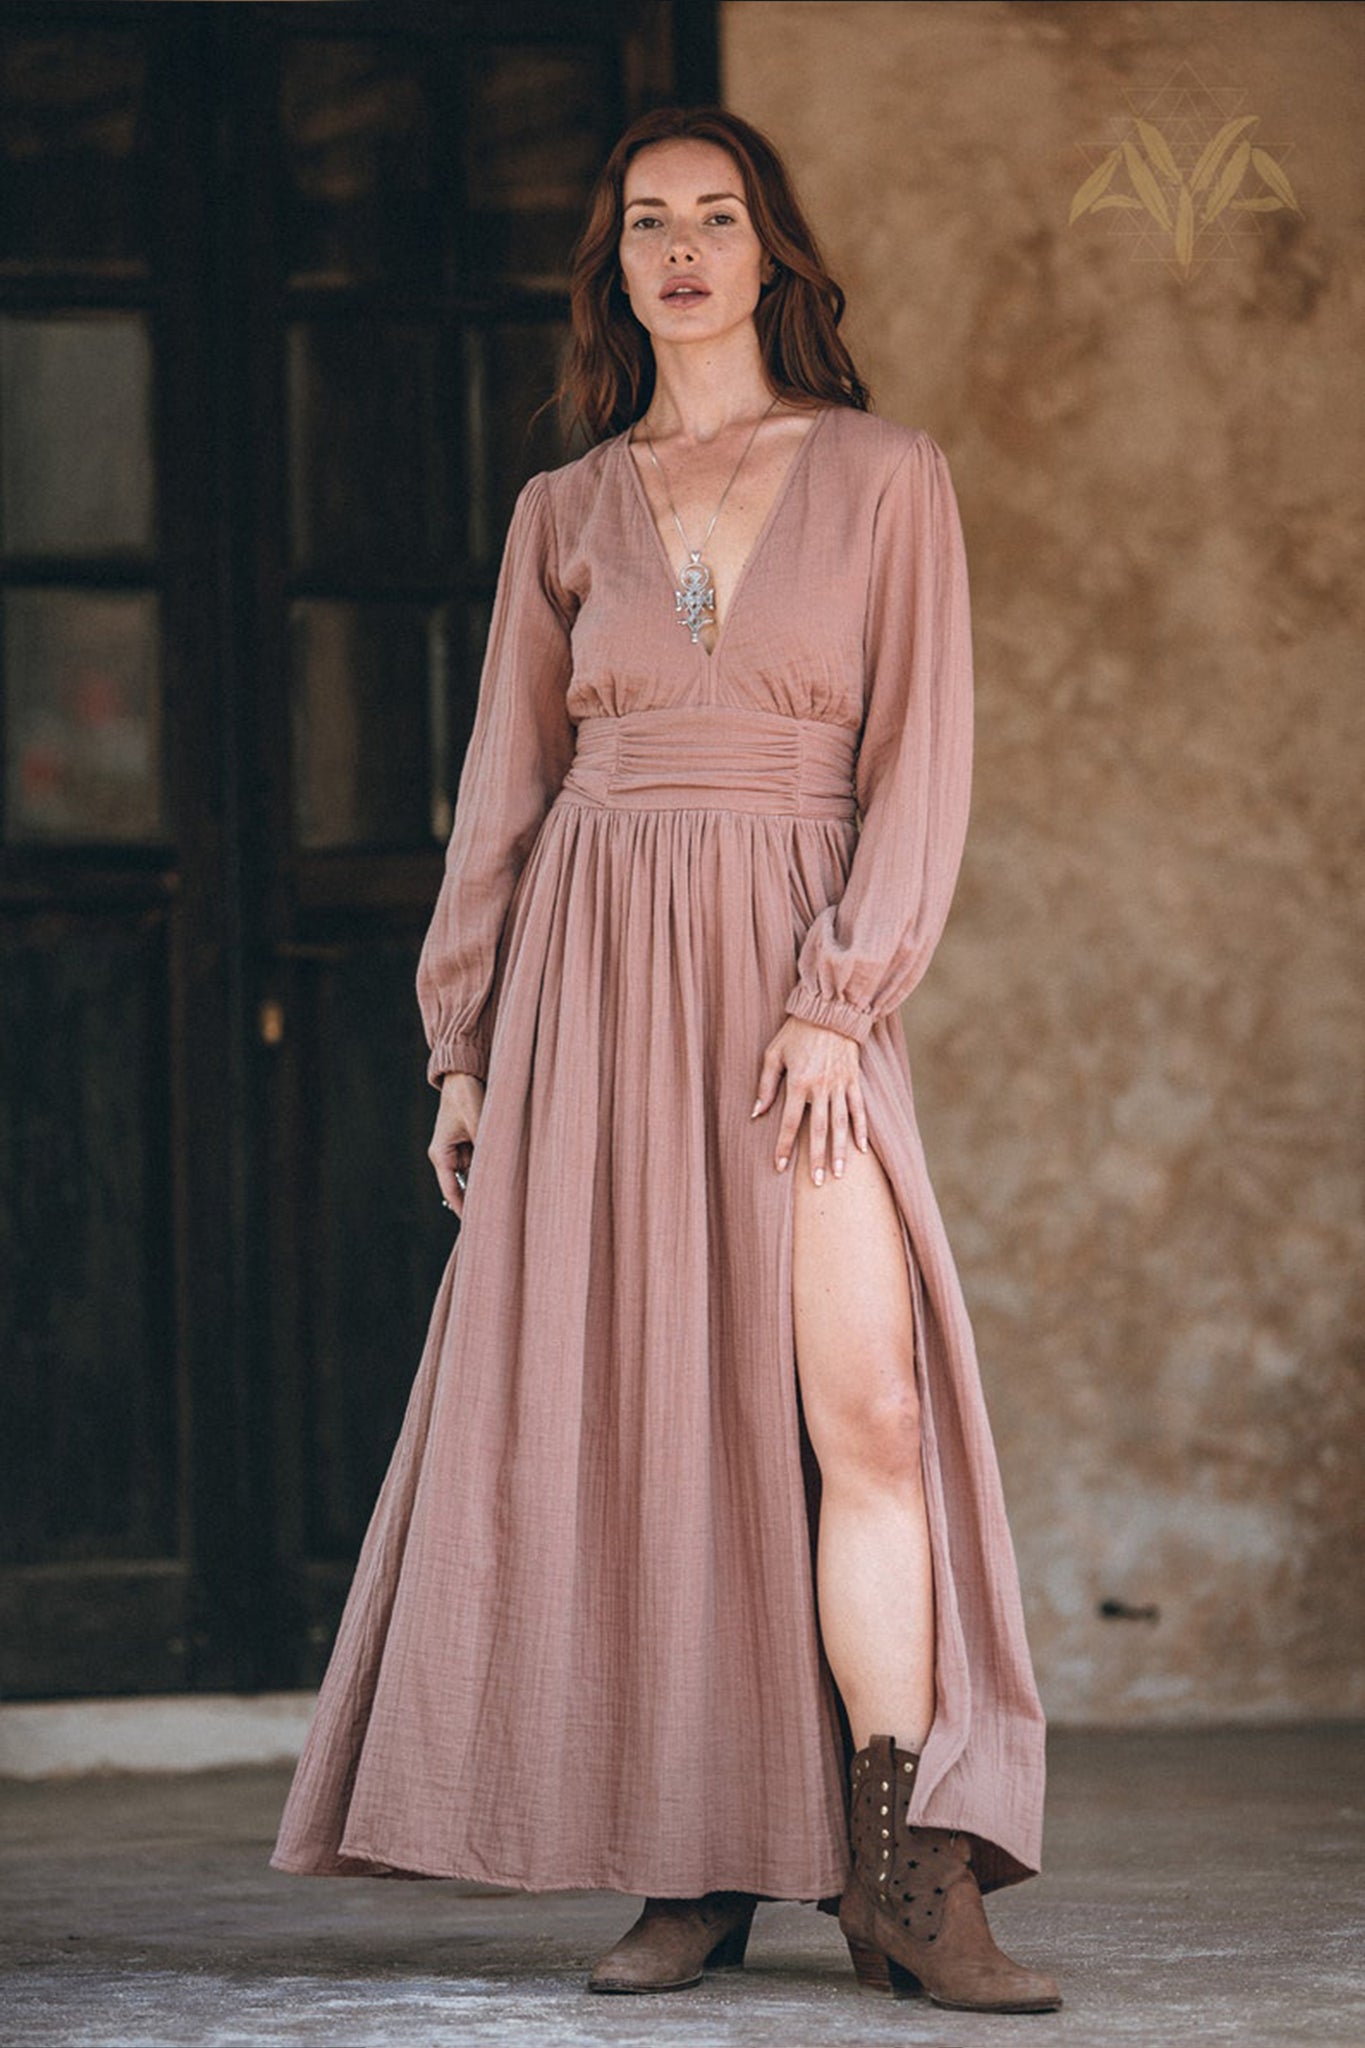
[(687, 293)]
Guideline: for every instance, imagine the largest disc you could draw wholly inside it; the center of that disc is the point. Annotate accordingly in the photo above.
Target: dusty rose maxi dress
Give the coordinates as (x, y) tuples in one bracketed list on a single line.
[(581, 1647)]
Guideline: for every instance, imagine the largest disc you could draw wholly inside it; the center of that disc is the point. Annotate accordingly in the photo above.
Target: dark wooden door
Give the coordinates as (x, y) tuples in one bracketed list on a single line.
[(280, 290)]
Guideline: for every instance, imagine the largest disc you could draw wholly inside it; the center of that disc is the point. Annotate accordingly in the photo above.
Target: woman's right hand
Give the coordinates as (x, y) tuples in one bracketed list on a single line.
[(457, 1126)]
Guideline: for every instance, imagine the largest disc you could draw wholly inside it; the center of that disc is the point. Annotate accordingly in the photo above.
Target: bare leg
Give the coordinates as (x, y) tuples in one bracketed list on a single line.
[(855, 1358)]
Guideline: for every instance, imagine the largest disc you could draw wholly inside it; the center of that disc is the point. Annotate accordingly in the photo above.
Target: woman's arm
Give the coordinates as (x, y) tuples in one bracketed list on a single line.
[(519, 752), (863, 955)]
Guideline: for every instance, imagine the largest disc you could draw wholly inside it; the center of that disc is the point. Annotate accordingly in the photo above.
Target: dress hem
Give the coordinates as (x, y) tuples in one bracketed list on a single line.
[(363, 1863)]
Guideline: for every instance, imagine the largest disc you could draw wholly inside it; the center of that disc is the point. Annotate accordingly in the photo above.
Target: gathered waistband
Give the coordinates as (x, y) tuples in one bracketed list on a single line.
[(714, 756)]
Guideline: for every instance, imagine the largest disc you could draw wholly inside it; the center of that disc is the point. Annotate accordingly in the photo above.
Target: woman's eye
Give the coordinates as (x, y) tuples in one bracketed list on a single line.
[(651, 220)]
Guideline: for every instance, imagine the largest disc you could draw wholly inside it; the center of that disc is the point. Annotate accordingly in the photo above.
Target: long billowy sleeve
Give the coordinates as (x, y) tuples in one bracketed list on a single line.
[(519, 752), (862, 955)]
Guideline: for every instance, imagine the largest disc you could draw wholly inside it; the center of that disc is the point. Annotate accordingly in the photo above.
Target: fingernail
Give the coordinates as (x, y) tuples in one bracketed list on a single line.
[(781, 1162), (819, 1175), (838, 1169), (757, 1106)]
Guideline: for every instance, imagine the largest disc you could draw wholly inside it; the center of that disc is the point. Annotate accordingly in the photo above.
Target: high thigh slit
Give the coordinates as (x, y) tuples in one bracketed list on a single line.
[(581, 1646)]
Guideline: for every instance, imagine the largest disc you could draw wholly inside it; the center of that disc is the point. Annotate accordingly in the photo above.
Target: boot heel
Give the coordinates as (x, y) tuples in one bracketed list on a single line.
[(880, 1973), (871, 1967), (728, 1953)]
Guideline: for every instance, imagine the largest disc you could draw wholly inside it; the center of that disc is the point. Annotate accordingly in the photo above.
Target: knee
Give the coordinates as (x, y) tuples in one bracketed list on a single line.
[(872, 1436)]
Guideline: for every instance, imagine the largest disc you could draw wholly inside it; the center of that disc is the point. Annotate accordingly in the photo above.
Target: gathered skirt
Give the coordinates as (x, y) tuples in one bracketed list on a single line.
[(581, 1648)]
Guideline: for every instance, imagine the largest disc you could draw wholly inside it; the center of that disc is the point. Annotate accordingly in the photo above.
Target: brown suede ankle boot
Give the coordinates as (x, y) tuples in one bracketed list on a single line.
[(674, 1940), (911, 1913)]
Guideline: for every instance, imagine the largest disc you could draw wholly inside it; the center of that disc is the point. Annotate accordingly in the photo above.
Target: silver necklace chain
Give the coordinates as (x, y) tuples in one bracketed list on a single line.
[(696, 596)]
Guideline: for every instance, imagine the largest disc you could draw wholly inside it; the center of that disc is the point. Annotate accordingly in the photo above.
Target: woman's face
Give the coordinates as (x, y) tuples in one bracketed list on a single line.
[(684, 222)]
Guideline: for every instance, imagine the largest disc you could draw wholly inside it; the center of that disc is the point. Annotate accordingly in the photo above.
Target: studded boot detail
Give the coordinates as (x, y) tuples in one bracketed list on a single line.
[(912, 1913), (674, 1940)]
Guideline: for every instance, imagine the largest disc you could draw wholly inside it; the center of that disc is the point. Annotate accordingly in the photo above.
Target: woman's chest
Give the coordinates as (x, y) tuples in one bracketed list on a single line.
[(710, 519), (791, 601)]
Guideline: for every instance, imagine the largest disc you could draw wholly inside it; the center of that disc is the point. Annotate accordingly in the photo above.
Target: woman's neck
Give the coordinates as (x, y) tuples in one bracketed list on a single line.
[(699, 397)]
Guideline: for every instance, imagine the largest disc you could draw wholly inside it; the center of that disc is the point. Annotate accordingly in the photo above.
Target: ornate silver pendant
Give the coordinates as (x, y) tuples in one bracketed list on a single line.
[(696, 598)]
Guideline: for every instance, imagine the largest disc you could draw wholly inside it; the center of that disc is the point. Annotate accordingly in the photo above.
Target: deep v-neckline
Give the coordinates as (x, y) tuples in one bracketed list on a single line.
[(779, 499)]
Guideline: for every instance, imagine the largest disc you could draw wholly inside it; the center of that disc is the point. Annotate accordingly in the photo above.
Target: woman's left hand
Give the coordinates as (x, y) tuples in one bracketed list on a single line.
[(822, 1067)]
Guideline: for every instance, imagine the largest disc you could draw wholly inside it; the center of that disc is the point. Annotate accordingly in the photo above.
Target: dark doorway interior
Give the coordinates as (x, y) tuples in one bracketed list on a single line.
[(280, 288)]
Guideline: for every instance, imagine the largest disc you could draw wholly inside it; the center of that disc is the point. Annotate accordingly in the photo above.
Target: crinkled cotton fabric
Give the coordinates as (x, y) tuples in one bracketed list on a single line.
[(581, 1647)]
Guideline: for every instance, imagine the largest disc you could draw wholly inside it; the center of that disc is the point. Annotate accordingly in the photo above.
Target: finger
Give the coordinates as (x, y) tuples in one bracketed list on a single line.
[(792, 1112), (819, 1132), (767, 1083), (445, 1159), (839, 1133), (855, 1096)]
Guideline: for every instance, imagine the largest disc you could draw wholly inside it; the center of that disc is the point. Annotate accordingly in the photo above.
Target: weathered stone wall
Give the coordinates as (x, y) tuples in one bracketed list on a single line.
[(1138, 1054)]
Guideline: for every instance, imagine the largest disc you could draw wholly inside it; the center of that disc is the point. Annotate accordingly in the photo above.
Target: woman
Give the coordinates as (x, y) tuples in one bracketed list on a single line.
[(692, 1559)]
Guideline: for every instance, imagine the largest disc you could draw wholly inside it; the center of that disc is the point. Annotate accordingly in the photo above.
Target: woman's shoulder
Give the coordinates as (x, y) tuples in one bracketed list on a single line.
[(549, 497), (570, 486), (876, 442)]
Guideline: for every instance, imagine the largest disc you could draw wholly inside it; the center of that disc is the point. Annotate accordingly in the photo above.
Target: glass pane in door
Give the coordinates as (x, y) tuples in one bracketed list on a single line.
[(535, 139), (511, 370), (359, 202), (74, 160), (82, 702), (75, 434), (368, 698), (477, 623), (366, 452)]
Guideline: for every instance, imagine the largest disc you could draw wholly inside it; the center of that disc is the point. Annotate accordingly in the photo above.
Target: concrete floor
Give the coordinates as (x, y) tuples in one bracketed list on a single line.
[(1201, 1887)]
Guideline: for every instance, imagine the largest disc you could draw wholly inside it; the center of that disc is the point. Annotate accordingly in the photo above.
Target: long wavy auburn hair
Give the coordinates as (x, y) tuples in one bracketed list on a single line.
[(608, 377)]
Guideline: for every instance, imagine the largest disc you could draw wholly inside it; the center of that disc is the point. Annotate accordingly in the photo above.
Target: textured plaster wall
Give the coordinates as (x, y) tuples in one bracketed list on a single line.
[(1138, 1054)]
